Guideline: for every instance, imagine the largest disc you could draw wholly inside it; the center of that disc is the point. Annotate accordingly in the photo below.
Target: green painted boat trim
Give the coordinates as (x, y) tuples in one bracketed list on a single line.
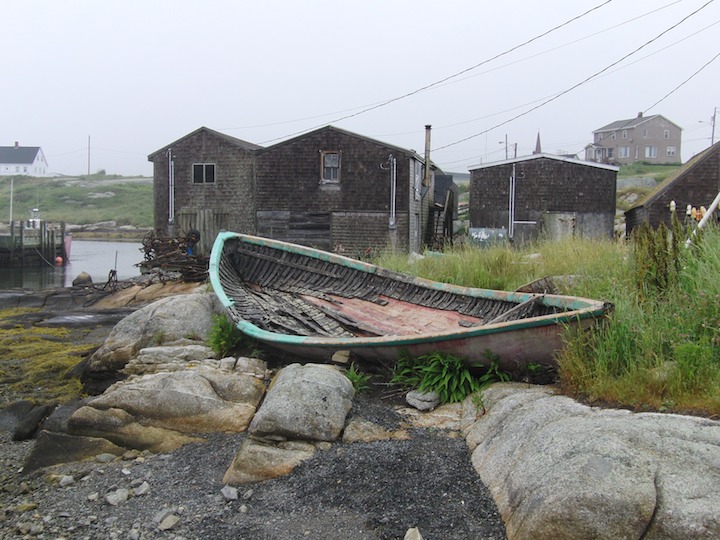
[(579, 308)]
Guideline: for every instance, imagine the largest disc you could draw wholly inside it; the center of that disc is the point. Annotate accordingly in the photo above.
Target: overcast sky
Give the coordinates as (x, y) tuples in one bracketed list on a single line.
[(133, 76)]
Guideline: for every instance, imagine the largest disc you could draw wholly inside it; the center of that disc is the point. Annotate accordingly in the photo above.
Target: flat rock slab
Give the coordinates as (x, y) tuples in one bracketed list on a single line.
[(85, 318), (563, 470)]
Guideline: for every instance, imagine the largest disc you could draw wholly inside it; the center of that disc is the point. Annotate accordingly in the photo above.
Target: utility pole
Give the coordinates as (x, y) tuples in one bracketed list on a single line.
[(712, 121), (88, 155)]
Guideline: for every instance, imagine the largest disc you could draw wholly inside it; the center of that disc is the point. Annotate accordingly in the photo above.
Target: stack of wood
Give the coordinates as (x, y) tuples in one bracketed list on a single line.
[(174, 255)]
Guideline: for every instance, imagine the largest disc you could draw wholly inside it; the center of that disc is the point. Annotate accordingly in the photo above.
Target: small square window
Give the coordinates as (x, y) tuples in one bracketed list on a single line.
[(203, 173), (671, 151), (666, 134), (624, 133)]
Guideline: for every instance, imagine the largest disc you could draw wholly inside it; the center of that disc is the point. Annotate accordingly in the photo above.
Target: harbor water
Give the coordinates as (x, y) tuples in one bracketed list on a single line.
[(97, 258)]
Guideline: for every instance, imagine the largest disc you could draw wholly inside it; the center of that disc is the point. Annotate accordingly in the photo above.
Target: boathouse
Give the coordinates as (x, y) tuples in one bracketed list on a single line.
[(328, 188), (695, 184), (543, 194)]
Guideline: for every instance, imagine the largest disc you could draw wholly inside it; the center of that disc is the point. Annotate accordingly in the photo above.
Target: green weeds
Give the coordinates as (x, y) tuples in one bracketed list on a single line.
[(446, 374), (359, 380), (224, 335)]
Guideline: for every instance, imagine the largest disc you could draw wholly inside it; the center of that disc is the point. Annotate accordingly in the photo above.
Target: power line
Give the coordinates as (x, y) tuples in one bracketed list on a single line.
[(370, 106), (577, 85), (698, 71), (573, 42), (436, 83), (683, 83)]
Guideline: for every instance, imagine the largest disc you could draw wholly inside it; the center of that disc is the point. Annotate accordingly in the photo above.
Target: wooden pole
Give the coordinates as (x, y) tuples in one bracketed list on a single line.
[(12, 240), (22, 242)]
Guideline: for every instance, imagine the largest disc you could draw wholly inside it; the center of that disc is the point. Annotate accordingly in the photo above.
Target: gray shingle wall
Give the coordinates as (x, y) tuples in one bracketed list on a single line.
[(542, 185)]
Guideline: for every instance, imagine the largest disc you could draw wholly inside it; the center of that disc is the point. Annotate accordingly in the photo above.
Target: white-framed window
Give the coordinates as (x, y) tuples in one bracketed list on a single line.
[(671, 151), (610, 153), (666, 134), (651, 151), (645, 133), (624, 133), (613, 136), (623, 152), (419, 172), (329, 166), (203, 173)]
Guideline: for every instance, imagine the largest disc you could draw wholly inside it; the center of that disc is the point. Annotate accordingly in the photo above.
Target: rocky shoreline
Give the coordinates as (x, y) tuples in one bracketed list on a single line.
[(323, 462)]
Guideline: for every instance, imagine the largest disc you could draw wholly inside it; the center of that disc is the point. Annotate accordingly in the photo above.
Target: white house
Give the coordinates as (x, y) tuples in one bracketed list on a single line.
[(23, 160)]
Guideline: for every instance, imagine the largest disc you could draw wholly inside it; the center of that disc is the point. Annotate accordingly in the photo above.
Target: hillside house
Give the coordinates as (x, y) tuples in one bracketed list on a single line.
[(328, 188), (543, 194), (23, 161), (695, 184), (652, 139)]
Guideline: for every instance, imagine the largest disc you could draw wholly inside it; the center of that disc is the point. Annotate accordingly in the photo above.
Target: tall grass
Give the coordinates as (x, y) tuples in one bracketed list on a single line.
[(660, 348)]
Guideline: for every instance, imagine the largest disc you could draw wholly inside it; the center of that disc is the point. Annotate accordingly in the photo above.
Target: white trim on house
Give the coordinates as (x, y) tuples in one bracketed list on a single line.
[(546, 156)]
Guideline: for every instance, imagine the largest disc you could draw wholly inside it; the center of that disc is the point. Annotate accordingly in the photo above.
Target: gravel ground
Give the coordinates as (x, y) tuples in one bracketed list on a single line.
[(350, 491), (354, 491)]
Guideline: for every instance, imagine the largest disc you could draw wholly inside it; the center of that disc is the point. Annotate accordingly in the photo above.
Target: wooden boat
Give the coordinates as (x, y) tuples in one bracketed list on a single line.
[(314, 304)]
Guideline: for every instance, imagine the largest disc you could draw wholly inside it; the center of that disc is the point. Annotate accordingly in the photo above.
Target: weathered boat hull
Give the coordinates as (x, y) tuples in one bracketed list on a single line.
[(292, 298)]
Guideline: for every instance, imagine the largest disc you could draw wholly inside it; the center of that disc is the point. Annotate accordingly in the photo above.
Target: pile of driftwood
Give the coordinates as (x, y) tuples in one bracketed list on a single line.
[(174, 255)]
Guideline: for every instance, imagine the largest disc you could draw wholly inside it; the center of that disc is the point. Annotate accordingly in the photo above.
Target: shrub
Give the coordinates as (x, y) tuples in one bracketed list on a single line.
[(224, 335)]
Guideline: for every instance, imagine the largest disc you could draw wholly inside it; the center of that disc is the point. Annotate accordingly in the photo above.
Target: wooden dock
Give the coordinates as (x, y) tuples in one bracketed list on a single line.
[(32, 243)]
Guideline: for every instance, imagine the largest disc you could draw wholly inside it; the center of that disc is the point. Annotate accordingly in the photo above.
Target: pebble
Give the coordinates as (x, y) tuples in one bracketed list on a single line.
[(118, 496), (169, 522), (229, 493), (66, 480)]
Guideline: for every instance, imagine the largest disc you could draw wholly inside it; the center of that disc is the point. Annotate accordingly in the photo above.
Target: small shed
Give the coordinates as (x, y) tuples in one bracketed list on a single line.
[(204, 181), (695, 184), (544, 194)]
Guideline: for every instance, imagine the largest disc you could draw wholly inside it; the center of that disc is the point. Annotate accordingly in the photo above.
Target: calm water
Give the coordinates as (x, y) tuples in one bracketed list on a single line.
[(96, 258)]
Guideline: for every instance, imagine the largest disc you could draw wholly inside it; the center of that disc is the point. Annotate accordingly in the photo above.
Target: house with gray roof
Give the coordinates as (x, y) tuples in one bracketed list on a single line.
[(652, 139), (23, 160)]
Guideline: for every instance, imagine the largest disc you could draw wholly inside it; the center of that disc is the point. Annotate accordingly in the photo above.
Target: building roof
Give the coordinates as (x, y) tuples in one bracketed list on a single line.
[(356, 135), (545, 156), (18, 154), (254, 147), (632, 123), (676, 176), (232, 140)]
